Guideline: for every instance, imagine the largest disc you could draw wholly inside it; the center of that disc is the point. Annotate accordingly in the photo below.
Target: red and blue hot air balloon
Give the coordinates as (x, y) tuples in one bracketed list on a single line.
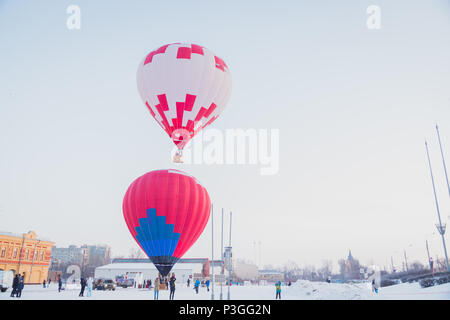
[(166, 211)]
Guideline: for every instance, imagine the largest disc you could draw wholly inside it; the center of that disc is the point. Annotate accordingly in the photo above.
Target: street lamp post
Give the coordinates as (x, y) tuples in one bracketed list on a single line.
[(32, 259), (20, 254), (406, 260), (440, 227), (212, 252), (430, 258), (259, 260), (228, 256), (222, 269), (443, 160), (428, 253), (229, 261)]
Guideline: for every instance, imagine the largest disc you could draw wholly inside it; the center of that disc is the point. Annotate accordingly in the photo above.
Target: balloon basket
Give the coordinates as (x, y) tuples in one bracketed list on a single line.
[(178, 157)]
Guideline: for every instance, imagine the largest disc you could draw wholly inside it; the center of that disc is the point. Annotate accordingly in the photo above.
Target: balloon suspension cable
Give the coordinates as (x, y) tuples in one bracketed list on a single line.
[(178, 157)]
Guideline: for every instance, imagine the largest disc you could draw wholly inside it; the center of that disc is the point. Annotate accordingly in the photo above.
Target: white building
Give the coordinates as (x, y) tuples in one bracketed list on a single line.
[(143, 269), (245, 271)]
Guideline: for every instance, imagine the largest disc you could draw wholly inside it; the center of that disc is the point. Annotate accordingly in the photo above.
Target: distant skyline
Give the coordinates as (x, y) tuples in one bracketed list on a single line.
[(353, 107)]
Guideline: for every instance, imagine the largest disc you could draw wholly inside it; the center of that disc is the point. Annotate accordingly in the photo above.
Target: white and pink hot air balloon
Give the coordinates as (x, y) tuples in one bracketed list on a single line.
[(185, 87)]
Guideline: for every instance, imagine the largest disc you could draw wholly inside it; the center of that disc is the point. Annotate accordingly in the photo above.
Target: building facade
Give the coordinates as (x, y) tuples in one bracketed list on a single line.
[(86, 257), (25, 254), (245, 271), (350, 269), (271, 276), (98, 255), (71, 254)]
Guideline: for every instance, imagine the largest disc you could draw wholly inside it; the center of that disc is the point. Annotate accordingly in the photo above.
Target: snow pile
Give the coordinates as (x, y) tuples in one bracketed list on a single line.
[(413, 291), (308, 290)]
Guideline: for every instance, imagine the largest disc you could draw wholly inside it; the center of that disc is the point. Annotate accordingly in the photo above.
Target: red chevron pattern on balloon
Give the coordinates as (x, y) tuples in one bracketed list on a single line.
[(186, 105), (182, 53)]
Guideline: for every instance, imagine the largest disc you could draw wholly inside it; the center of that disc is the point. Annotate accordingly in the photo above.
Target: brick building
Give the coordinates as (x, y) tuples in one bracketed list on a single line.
[(25, 254)]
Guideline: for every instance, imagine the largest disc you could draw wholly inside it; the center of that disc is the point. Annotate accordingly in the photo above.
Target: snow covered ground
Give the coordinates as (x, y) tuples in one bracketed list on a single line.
[(302, 290)]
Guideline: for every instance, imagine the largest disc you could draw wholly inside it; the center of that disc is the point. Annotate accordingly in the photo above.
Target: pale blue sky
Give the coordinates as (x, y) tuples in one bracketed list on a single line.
[(353, 107)]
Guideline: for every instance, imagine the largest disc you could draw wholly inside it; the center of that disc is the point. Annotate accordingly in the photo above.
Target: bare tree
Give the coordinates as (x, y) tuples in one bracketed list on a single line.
[(136, 253), (291, 271), (342, 266), (309, 272), (326, 270), (416, 266)]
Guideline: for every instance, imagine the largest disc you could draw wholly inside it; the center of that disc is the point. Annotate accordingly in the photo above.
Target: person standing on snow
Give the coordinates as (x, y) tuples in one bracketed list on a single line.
[(89, 287), (172, 286), (196, 285), (374, 286), (59, 283), (188, 282), (21, 285), (207, 285), (15, 285), (156, 288), (278, 290), (83, 285)]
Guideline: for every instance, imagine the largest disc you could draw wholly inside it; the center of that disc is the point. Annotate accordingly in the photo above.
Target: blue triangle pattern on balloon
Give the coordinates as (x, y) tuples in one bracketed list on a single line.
[(156, 237)]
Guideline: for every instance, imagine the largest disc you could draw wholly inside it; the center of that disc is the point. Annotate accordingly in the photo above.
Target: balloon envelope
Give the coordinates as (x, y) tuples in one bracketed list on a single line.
[(166, 211), (185, 88)]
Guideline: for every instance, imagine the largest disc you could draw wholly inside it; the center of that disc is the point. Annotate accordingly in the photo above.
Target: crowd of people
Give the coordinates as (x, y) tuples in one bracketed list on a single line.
[(169, 283), (160, 283), (165, 282), (198, 283)]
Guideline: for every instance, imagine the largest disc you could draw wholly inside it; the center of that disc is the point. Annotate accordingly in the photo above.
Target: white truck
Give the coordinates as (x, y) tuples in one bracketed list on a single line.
[(6, 280)]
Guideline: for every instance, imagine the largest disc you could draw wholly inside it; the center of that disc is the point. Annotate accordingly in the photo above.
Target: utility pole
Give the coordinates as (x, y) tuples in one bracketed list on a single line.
[(406, 260), (212, 252), (440, 226), (428, 252), (443, 159), (229, 257), (259, 264), (32, 260), (222, 258), (254, 253), (20, 254)]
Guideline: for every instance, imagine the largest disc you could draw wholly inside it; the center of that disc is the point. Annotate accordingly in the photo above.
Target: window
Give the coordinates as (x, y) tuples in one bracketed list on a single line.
[(15, 253), (42, 255), (27, 252), (35, 254), (3, 252)]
